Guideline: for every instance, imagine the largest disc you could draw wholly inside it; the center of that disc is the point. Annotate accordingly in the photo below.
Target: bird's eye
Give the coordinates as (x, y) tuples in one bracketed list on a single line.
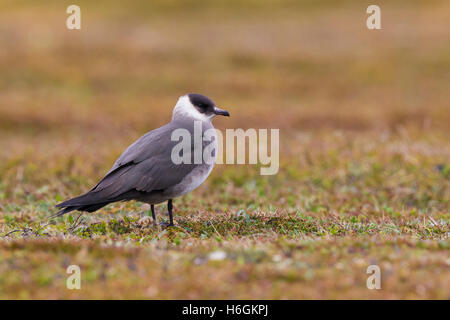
[(202, 107)]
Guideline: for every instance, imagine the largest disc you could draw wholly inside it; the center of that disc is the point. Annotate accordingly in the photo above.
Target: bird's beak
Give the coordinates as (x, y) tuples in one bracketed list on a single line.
[(221, 112)]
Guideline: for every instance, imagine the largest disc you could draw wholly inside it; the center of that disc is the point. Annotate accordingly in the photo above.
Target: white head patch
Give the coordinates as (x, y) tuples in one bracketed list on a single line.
[(185, 109)]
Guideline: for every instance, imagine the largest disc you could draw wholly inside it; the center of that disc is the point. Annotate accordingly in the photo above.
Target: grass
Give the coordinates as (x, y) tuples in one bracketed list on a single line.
[(364, 166)]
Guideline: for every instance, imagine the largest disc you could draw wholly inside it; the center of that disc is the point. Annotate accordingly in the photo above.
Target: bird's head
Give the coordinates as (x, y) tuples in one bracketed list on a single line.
[(198, 107)]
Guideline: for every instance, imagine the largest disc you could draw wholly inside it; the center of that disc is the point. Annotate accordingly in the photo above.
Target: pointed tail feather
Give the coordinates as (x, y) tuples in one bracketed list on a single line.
[(82, 203), (93, 201), (63, 211)]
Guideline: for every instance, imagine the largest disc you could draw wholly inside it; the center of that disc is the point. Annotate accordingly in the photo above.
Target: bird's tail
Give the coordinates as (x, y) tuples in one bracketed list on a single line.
[(81, 203)]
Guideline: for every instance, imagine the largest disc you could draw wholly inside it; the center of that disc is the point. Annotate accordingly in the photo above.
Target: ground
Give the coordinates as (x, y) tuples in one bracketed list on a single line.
[(364, 148)]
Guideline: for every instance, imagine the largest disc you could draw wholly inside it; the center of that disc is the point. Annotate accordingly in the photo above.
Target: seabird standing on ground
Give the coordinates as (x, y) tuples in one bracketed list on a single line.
[(145, 171)]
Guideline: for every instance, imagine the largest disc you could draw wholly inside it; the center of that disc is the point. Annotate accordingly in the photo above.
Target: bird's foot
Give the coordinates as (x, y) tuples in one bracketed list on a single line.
[(166, 225)]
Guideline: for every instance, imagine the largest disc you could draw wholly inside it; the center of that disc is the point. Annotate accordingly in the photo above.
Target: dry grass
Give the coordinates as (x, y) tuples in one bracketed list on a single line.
[(363, 118)]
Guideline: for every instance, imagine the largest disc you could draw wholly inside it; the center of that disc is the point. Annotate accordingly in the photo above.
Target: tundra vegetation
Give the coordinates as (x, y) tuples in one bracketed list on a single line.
[(364, 148)]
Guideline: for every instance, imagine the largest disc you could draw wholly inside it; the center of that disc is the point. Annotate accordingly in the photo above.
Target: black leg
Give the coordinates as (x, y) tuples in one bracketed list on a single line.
[(169, 207), (153, 213)]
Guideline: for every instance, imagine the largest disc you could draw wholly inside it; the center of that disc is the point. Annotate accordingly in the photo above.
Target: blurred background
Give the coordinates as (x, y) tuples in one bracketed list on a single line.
[(363, 114)]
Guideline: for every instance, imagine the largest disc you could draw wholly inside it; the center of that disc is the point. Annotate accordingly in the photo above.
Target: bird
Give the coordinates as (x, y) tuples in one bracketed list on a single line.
[(146, 171)]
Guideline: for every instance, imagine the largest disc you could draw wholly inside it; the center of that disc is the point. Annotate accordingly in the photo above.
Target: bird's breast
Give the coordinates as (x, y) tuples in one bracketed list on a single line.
[(191, 181), (207, 151)]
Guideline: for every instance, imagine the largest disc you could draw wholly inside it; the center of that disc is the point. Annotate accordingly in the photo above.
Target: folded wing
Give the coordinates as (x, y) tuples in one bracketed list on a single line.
[(145, 167)]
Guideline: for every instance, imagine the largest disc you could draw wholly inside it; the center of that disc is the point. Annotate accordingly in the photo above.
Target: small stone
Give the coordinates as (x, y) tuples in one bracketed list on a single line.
[(144, 221), (217, 255), (277, 258)]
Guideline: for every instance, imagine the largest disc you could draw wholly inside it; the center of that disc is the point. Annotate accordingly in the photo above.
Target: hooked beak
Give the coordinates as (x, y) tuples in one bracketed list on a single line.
[(221, 112)]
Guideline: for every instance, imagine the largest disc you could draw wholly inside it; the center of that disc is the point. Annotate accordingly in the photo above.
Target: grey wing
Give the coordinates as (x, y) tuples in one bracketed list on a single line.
[(145, 166), (145, 147)]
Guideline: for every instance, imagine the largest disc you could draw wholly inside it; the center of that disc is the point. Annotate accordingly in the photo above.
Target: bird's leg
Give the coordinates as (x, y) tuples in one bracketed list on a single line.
[(152, 207), (169, 207)]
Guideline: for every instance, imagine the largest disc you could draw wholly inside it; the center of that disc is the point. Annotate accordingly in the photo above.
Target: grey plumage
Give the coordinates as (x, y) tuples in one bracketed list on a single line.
[(144, 171)]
